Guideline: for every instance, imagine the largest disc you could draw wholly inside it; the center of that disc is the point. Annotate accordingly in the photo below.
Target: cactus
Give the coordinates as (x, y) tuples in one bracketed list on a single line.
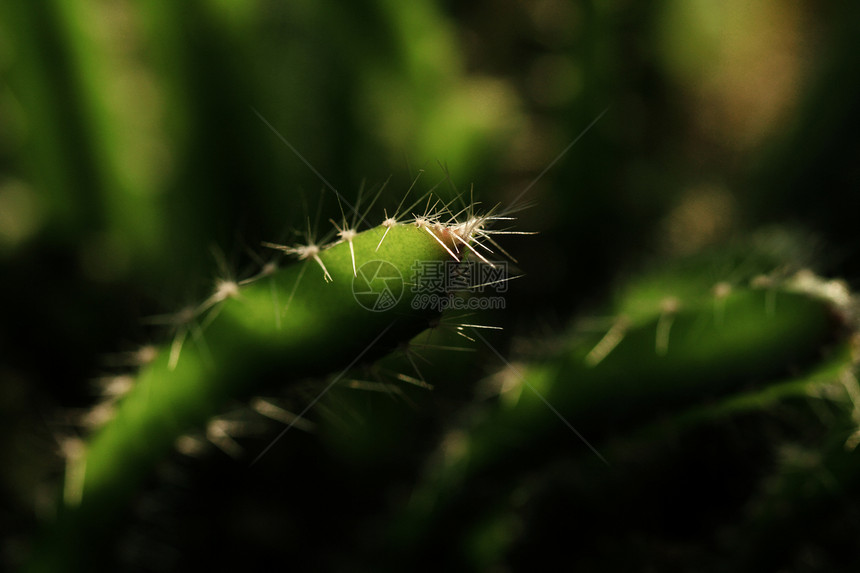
[(684, 351), (129, 142), (342, 305)]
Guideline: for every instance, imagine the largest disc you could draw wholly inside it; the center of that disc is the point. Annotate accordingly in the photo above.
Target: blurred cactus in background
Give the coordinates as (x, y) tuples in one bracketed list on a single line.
[(670, 386)]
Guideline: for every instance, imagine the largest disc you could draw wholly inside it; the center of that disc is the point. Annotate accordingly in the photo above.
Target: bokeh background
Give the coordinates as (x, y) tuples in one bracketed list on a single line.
[(139, 138)]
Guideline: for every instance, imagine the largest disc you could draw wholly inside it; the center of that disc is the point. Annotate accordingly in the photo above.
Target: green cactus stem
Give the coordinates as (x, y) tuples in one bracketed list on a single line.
[(342, 304), (681, 348)]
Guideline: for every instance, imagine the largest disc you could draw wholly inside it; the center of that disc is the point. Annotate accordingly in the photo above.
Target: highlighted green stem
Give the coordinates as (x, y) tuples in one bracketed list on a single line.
[(245, 338)]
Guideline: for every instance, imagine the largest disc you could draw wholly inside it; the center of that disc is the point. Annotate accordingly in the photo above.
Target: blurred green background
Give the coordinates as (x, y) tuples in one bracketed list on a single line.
[(132, 146)]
